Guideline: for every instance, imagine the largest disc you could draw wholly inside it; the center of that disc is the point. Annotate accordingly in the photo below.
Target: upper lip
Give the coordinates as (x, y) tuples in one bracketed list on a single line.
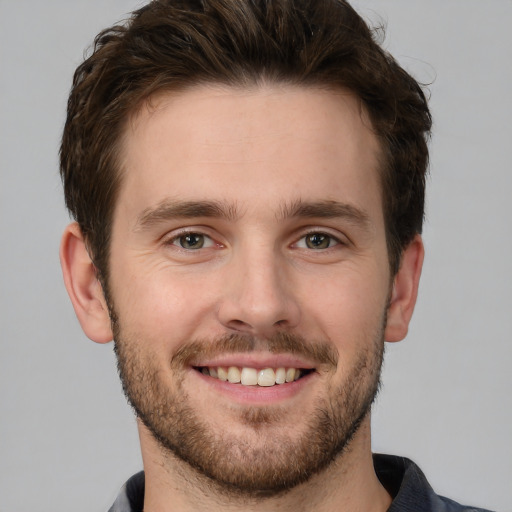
[(255, 360)]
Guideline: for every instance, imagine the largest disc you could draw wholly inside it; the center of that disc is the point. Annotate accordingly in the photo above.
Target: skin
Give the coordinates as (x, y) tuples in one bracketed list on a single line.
[(257, 154)]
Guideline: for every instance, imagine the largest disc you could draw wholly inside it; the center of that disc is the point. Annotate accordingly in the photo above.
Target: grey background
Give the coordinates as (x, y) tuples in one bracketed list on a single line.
[(67, 438)]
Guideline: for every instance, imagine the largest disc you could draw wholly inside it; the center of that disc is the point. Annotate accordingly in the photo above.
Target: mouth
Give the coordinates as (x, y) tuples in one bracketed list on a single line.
[(250, 376)]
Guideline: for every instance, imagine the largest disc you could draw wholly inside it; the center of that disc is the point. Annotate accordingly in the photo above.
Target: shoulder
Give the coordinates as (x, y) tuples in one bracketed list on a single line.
[(131, 495), (410, 489)]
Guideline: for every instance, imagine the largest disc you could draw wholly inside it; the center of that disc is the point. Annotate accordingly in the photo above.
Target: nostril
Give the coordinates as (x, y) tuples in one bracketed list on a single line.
[(238, 325)]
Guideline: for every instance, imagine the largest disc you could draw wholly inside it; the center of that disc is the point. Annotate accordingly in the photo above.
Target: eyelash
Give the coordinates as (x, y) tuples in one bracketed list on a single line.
[(176, 238), (333, 241)]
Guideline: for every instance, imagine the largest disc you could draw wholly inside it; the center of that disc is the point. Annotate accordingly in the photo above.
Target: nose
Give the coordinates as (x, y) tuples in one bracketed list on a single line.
[(258, 295)]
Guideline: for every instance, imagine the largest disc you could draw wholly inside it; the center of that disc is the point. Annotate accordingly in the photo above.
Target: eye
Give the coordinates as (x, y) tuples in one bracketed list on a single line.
[(192, 241), (317, 241)]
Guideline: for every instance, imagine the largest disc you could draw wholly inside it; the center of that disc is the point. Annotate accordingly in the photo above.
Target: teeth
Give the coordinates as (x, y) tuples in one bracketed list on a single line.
[(265, 377), (234, 375), (290, 375), (249, 377), (280, 375)]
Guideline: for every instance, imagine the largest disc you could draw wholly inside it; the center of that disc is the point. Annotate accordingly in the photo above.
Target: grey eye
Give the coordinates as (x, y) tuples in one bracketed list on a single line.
[(191, 241), (318, 241)]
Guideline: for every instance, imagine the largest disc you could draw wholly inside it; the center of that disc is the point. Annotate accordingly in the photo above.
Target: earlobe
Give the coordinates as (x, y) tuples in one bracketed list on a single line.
[(83, 286), (405, 291)]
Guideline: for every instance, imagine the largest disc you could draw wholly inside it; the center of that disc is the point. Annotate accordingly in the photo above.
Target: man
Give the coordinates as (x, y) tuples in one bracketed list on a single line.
[(247, 179)]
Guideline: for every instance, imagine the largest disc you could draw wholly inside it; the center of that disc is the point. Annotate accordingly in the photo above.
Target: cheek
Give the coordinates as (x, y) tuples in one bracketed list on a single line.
[(349, 307), (160, 306)]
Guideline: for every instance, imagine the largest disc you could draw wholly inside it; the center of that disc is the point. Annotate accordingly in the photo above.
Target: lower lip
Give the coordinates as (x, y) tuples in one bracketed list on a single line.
[(255, 395)]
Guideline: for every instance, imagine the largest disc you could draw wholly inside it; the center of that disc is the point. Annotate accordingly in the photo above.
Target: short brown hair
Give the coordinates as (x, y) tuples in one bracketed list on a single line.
[(175, 44)]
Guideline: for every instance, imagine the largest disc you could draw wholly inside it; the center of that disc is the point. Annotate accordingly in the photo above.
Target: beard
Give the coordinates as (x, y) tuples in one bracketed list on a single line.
[(263, 460)]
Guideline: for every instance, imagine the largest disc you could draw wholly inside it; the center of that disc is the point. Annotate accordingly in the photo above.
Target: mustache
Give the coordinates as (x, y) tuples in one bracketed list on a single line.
[(318, 352)]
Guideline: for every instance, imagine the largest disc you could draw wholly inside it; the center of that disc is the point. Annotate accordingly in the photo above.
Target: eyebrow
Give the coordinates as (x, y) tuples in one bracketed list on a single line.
[(325, 210), (169, 209)]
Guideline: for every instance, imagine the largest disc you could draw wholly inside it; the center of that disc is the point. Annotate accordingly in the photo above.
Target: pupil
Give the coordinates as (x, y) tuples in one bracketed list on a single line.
[(318, 241), (192, 241)]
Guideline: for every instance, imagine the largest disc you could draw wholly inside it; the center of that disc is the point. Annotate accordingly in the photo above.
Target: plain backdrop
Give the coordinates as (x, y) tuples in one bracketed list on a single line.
[(67, 438)]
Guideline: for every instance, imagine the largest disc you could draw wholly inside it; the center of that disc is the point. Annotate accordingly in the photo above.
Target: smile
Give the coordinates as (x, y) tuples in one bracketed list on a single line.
[(246, 376)]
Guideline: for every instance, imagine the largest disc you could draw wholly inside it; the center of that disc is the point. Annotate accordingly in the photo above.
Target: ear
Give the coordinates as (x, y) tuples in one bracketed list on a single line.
[(405, 291), (83, 286)]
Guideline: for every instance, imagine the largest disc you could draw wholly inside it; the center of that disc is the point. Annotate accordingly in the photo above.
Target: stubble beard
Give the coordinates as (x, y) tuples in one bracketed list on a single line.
[(267, 462)]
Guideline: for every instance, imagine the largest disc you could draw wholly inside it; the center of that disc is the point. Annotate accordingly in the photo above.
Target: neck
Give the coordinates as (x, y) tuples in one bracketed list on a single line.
[(349, 484)]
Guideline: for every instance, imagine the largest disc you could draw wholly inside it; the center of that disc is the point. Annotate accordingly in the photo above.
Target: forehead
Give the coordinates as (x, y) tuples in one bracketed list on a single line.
[(267, 143)]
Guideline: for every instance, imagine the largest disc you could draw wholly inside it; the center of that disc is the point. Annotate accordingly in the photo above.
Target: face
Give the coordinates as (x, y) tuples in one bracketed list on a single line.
[(248, 244)]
